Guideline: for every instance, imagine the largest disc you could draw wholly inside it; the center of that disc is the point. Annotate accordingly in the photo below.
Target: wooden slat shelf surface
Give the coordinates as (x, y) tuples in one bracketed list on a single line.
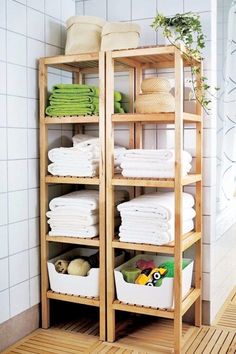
[(163, 118), (118, 305), (73, 298), (72, 180), (71, 120), (74, 240), (188, 240), (119, 180), (190, 299)]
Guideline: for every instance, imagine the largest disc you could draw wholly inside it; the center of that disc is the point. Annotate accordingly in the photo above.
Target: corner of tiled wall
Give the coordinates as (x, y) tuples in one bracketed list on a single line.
[(29, 29)]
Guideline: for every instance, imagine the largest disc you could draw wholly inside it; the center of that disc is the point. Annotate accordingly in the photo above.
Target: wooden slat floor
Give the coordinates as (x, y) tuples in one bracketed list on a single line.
[(136, 335)]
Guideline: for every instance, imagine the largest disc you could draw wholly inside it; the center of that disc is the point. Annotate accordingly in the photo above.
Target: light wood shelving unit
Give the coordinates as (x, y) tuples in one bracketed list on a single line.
[(78, 65), (137, 60)]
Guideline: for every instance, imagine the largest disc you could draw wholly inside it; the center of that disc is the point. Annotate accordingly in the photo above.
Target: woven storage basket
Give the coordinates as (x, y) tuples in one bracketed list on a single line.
[(83, 34), (155, 103), (155, 84), (120, 36)]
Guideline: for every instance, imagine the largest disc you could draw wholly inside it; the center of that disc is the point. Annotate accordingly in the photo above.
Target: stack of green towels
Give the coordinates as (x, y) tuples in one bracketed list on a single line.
[(76, 99)]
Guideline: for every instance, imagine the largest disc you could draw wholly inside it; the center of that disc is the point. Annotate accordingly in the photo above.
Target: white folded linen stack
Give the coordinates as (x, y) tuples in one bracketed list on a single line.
[(153, 163), (77, 214), (150, 218), (81, 160)]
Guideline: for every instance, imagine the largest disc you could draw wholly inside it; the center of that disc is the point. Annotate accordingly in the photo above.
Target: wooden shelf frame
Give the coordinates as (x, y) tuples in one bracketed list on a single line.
[(78, 65), (137, 60)]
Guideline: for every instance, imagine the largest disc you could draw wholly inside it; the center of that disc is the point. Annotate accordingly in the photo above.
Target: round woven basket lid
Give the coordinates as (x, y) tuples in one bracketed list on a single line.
[(156, 84), (155, 102)]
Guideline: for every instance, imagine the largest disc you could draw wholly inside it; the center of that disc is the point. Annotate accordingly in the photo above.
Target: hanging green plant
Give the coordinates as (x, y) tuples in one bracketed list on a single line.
[(186, 29)]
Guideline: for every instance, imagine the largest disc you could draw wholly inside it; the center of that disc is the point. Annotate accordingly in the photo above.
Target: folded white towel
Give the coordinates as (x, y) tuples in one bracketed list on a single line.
[(87, 232), (71, 154), (140, 218), (160, 204), (62, 220), (159, 154), (73, 170), (129, 164), (153, 173)]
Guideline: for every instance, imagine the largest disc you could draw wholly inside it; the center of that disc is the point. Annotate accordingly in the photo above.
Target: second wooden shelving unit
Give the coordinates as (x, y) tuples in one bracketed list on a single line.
[(78, 65), (136, 61)]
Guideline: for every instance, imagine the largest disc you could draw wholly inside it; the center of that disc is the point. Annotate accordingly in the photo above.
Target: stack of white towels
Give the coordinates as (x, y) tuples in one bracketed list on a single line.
[(150, 218), (77, 214), (81, 160), (153, 163)]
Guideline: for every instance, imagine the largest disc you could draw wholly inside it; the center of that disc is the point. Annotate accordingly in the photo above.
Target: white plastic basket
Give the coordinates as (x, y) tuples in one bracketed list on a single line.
[(156, 297), (75, 284)]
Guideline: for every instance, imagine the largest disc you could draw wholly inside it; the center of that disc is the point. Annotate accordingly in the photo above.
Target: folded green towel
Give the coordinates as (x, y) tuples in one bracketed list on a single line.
[(69, 87), (85, 100), (71, 97), (68, 111)]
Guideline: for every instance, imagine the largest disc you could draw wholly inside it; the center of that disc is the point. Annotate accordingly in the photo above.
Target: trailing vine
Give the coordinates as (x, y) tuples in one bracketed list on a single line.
[(186, 28)]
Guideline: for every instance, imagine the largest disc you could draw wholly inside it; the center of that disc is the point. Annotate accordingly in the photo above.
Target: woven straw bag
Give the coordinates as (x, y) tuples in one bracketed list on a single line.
[(155, 103), (155, 84)]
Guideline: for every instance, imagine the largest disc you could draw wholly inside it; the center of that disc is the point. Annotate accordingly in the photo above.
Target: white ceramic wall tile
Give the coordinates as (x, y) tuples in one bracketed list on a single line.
[(95, 8), (209, 171), (16, 112), (32, 79), (209, 228), (54, 139), (3, 209), (4, 301), (34, 261), (2, 44), (35, 24), (141, 10), (17, 175), (79, 7), (17, 143), (33, 173), (35, 50), (16, 48), (33, 149), (36, 4), (209, 194), (3, 111), (4, 278), (16, 17), (3, 144), (209, 143), (197, 6), (33, 113), (149, 139), (33, 203), (206, 287), (170, 7), (16, 80), (53, 8), (3, 241), (53, 31), (119, 11), (19, 267), (67, 9), (18, 206), (18, 237), (19, 298), (3, 177), (3, 13), (3, 81), (34, 291), (148, 35), (33, 232)]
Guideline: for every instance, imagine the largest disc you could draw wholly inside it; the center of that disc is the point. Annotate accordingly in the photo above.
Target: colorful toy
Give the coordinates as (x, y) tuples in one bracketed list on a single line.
[(145, 264), (170, 267), (130, 274), (79, 266), (61, 266), (150, 276)]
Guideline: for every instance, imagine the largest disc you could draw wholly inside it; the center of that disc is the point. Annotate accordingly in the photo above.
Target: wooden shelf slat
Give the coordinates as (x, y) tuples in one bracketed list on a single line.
[(74, 240), (187, 241), (72, 58), (118, 305), (73, 298), (119, 180), (163, 118), (72, 180), (71, 120), (190, 299)]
